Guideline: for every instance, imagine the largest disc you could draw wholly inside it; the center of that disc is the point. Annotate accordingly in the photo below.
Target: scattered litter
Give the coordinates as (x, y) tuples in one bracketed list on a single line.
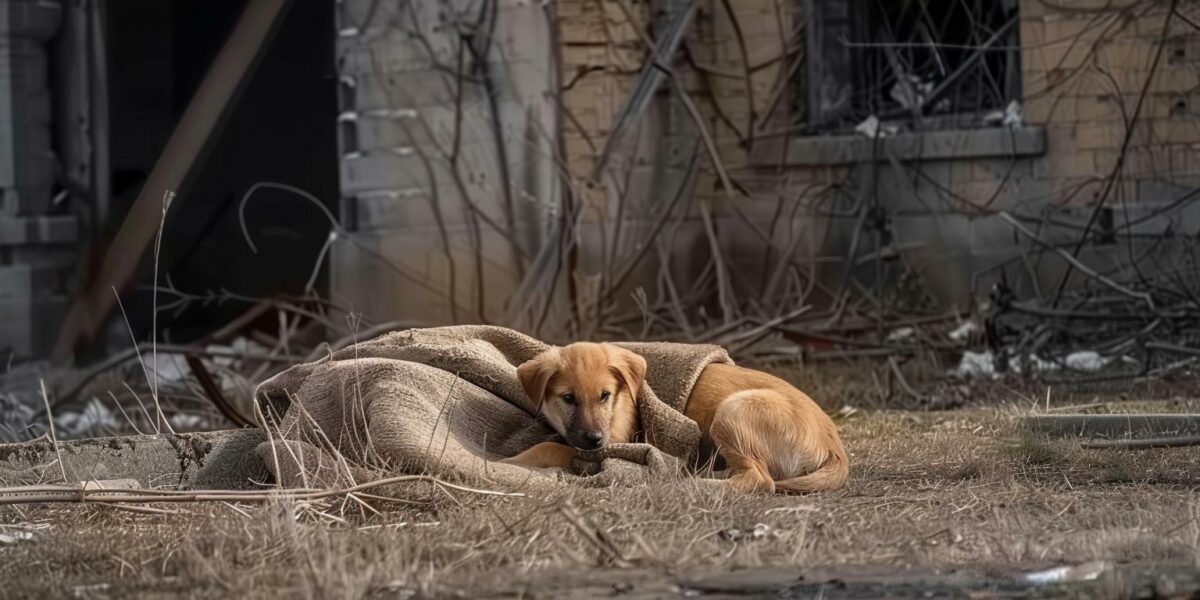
[(94, 590), (983, 364), (1034, 363), (95, 415), (12, 534), (871, 128), (185, 421), (399, 589), (760, 531), (1089, 571), (976, 364), (910, 91), (963, 332), (845, 412), (1010, 117), (1086, 360), (167, 367), (225, 354), (902, 334), (12, 537)]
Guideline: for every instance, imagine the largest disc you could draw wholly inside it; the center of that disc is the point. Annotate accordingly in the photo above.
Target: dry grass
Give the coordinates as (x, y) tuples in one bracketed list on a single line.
[(951, 488)]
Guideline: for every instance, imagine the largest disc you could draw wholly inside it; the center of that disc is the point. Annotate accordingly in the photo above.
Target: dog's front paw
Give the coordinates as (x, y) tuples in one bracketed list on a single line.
[(584, 465), (624, 461)]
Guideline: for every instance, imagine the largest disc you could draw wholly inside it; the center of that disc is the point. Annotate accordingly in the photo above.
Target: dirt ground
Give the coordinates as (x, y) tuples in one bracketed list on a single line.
[(955, 503)]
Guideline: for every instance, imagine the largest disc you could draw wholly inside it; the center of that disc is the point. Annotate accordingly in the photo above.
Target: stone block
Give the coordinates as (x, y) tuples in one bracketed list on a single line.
[(210, 460)]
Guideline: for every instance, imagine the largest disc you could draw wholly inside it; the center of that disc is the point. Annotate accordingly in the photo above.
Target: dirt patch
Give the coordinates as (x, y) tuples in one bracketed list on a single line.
[(929, 493)]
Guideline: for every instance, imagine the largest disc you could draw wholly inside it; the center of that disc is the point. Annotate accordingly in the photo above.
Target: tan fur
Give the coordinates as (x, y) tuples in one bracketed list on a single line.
[(543, 456), (771, 435), (585, 371)]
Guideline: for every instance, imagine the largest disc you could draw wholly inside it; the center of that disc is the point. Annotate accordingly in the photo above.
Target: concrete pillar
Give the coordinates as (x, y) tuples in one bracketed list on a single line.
[(35, 249), (450, 211)]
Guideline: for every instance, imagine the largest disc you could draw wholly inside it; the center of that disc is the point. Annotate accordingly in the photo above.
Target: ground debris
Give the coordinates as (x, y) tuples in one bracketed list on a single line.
[(1088, 571)]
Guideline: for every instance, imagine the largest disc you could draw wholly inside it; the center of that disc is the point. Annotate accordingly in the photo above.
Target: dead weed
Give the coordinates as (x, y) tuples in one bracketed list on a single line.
[(953, 488)]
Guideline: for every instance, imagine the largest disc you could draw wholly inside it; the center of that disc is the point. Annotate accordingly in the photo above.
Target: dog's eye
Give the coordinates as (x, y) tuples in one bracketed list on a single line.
[(605, 395), (568, 398)]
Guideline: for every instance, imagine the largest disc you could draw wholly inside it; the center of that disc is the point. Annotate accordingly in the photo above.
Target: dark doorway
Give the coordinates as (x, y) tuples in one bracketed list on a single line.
[(282, 129)]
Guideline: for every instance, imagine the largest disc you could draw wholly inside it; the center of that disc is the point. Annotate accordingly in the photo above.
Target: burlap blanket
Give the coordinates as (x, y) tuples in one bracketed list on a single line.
[(446, 402)]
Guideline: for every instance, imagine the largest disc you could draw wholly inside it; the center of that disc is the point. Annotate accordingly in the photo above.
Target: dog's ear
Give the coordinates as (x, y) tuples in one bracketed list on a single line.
[(536, 372), (629, 367)]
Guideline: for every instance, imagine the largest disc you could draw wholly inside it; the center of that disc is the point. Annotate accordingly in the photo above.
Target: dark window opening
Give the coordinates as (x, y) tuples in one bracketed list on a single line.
[(922, 64)]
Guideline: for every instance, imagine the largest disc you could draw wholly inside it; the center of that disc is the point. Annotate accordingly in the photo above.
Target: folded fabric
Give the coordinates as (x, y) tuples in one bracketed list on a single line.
[(446, 402)]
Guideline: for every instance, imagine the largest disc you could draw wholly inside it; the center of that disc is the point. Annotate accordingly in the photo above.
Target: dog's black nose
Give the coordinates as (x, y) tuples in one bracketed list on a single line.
[(594, 438)]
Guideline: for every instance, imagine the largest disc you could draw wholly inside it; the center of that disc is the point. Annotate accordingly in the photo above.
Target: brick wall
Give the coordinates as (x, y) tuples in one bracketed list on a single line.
[(603, 53), (1082, 71)]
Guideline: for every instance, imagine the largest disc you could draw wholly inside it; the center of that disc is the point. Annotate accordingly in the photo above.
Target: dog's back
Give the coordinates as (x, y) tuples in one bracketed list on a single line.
[(771, 435)]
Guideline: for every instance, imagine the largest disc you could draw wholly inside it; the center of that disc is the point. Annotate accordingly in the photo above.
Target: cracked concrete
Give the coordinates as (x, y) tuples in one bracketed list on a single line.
[(210, 460)]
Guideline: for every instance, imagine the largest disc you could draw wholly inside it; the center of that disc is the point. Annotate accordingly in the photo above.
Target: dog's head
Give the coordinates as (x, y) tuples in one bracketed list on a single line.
[(587, 391)]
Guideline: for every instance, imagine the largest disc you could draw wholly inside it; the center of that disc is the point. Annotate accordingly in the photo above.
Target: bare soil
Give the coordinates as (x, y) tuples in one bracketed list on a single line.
[(954, 503)]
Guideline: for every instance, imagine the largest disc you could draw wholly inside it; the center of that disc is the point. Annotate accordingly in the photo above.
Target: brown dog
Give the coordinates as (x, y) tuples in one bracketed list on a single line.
[(770, 434)]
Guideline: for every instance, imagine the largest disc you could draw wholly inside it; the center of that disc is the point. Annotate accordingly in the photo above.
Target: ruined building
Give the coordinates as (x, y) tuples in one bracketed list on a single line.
[(590, 162)]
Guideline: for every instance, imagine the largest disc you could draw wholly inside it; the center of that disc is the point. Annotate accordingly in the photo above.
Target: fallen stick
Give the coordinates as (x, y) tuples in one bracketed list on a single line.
[(1116, 426), (1177, 349), (1074, 262), (84, 493), (214, 394), (1179, 441), (1076, 407), (130, 354), (649, 80)]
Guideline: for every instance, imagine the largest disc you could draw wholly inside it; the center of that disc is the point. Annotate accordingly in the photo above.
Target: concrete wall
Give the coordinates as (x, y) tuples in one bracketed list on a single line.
[(446, 214)]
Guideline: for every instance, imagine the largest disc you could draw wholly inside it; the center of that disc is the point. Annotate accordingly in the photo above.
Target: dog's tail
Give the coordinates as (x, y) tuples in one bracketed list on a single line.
[(831, 475)]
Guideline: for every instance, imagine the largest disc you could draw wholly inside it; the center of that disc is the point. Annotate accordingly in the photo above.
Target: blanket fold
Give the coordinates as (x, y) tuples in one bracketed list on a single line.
[(446, 401)]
